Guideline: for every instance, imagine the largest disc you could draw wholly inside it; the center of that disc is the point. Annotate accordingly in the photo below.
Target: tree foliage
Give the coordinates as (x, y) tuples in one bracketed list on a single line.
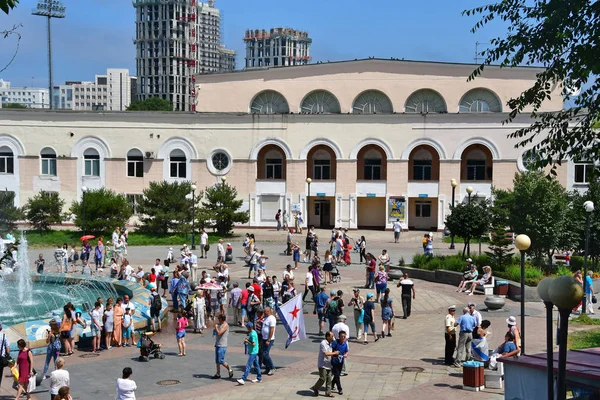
[(500, 248), (167, 207), (14, 105), (44, 209), (7, 5), (220, 206), (104, 210), (579, 216), (9, 214), (151, 104), (562, 37), (469, 221)]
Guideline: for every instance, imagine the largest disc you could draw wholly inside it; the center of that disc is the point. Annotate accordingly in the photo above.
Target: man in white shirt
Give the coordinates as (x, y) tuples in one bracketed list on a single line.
[(267, 339), (115, 237), (203, 242), (193, 260), (324, 365), (224, 272), (339, 248), (128, 304), (220, 251), (288, 273), (158, 268), (397, 229), (126, 386), (474, 313), (340, 326)]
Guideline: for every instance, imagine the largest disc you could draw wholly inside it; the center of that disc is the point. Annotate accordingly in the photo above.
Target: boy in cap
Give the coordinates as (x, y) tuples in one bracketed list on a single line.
[(251, 342)]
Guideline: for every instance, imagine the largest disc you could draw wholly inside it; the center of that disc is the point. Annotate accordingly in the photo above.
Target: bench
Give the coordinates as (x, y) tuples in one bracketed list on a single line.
[(493, 377), (488, 288)]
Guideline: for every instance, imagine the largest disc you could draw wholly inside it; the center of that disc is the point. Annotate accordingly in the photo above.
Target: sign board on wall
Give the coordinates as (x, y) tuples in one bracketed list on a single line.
[(296, 207), (396, 209)]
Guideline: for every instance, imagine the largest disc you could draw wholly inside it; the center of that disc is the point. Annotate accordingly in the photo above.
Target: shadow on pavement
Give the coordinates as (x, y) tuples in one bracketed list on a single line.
[(305, 393), (433, 361)]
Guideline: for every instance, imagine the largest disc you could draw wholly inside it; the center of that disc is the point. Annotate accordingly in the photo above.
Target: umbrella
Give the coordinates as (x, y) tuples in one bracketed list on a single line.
[(209, 286), (87, 237)]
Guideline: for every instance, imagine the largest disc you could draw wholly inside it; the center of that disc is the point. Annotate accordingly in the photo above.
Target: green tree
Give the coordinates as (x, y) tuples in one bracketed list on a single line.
[(7, 5), (539, 211), (104, 210), (9, 214), (151, 104), (501, 208), (579, 217), (167, 207), (469, 221), (561, 37), (500, 248), (221, 206), (44, 209), (14, 105)]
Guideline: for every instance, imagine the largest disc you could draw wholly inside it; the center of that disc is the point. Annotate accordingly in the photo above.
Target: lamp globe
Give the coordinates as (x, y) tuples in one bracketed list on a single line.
[(565, 292)]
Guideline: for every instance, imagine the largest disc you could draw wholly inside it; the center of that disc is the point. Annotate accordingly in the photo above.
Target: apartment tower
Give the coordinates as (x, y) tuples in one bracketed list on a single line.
[(176, 39), (277, 47)]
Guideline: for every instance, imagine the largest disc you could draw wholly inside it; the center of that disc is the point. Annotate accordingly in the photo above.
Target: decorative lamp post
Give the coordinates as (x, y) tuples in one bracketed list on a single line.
[(522, 242), (224, 180), (84, 189), (589, 208), (469, 191), (454, 185), (308, 181), (543, 291), (566, 293), (193, 216)]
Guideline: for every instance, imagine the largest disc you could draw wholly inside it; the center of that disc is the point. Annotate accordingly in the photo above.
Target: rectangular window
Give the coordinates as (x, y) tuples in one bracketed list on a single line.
[(274, 168), (322, 169), (582, 172), (7, 163), (49, 165), (475, 170), (178, 167), (372, 169), (135, 167), (92, 165), (134, 201), (423, 209), (422, 170)]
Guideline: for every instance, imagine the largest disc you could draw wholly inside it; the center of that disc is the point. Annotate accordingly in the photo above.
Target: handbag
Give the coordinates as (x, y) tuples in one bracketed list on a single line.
[(206, 247), (6, 360), (393, 325), (361, 318), (594, 300)]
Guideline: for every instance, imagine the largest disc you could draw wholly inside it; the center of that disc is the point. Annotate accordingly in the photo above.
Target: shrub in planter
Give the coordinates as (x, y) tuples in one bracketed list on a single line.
[(576, 263), (419, 261)]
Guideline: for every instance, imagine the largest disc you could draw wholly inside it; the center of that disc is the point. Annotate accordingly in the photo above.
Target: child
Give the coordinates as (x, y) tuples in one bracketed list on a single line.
[(74, 257), (182, 323), (199, 311), (127, 328), (262, 262), (170, 255), (98, 256), (40, 264)]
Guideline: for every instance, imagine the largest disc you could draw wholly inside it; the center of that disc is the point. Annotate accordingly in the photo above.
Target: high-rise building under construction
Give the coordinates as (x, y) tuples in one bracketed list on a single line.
[(176, 39), (277, 47)]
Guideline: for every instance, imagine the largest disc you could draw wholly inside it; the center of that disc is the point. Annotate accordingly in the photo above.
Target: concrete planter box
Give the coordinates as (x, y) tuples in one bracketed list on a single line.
[(454, 278)]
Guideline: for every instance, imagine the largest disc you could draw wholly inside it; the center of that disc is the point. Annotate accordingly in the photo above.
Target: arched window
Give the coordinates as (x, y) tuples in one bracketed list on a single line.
[(7, 160), (476, 163), (322, 165), (91, 161), (480, 100), (372, 102), (48, 157), (320, 102), (269, 102), (424, 164), (425, 101), (135, 163), (178, 164), (371, 163)]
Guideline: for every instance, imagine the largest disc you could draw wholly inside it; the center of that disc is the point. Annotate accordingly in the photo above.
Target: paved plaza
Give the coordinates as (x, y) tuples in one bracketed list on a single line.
[(408, 364)]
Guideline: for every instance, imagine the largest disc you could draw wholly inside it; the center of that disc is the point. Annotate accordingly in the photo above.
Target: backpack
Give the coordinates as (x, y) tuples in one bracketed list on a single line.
[(56, 345), (332, 308), (156, 303)]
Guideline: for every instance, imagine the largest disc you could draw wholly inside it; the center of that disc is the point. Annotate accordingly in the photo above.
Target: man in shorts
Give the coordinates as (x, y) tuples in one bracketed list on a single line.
[(221, 331), (369, 318), (320, 301), (397, 229)]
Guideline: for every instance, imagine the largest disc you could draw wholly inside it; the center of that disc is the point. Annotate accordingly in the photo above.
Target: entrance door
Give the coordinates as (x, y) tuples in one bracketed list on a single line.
[(322, 213), (423, 214)]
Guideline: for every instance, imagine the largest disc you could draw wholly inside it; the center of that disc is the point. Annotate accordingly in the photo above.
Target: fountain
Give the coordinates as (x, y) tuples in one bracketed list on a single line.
[(23, 272)]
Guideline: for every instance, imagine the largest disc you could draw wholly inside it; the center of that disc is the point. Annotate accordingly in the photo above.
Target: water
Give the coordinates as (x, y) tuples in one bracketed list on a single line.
[(25, 299)]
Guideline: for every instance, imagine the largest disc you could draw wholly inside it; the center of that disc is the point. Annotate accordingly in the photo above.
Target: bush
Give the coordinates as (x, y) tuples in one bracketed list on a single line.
[(420, 261), (44, 209), (104, 210), (513, 273), (9, 214), (577, 263), (563, 270)]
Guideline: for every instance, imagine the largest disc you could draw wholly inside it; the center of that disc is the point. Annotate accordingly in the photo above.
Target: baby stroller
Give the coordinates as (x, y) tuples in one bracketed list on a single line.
[(335, 274), (150, 349)]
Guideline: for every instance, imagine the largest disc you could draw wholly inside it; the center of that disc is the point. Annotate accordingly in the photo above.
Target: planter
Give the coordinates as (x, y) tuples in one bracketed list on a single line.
[(494, 303)]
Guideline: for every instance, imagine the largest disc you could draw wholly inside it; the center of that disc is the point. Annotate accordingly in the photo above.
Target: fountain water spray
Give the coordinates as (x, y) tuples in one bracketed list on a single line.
[(24, 284)]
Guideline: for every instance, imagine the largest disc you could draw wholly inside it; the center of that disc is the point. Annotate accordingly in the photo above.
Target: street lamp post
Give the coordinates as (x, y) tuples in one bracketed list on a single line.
[(454, 184), (84, 189), (469, 191), (522, 242), (193, 217), (543, 291), (589, 208), (308, 181)]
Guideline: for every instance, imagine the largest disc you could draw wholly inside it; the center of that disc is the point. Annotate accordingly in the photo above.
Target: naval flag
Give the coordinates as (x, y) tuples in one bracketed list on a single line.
[(292, 318)]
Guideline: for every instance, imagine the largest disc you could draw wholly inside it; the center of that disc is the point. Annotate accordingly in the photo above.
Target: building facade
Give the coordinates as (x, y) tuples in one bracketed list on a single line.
[(28, 97), (277, 47), (380, 141), (174, 41)]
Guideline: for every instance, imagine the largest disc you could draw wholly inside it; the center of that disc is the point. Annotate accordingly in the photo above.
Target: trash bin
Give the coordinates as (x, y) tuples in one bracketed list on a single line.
[(501, 288), (473, 376)]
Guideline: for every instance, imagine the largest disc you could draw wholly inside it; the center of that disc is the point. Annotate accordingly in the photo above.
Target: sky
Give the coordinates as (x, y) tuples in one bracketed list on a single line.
[(98, 34)]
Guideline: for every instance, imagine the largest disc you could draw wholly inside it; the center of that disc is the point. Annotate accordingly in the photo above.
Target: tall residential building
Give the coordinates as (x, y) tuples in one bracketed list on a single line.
[(174, 41), (28, 97), (278, 47), (109, 92)]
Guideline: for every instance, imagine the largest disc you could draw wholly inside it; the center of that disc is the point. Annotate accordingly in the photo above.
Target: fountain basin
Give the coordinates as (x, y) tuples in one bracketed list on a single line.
[(32, 326), (494, 303)]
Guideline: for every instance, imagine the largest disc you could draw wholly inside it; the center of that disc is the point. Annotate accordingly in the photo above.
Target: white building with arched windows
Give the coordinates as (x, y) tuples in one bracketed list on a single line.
[(380, 140)]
